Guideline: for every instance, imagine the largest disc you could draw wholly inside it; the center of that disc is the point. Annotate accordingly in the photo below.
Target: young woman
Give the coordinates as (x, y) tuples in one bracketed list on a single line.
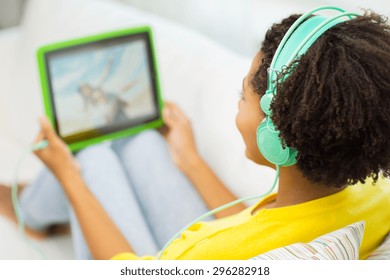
[(333, 108)]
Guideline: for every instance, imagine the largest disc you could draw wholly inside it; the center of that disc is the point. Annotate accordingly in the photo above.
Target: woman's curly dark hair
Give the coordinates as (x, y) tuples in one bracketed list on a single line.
[(334, 107)]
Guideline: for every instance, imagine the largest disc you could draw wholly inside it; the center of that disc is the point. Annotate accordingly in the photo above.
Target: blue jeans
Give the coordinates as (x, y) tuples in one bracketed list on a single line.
[(135, 180)]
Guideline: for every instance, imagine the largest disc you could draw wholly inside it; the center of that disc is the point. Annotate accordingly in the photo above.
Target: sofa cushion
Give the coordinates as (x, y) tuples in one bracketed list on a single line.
[(342, 244)]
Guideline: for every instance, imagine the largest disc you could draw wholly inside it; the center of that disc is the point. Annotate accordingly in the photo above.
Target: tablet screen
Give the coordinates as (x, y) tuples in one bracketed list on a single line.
[(102, 87)]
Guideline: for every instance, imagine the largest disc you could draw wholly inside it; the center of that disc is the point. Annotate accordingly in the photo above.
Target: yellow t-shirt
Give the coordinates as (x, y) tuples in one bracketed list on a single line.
[(243, 236)]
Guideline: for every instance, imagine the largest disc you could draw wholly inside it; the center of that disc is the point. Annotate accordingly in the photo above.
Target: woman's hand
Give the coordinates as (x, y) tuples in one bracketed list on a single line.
[(56, 156), (180, 138), (185, 155)]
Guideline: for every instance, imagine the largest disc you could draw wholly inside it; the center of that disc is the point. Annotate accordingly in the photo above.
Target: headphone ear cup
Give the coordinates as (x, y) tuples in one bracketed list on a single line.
[(270, 146), (265, 103)]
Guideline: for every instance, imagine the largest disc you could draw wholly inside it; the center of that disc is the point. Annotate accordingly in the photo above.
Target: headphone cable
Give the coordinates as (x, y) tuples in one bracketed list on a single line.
[(218, 209)]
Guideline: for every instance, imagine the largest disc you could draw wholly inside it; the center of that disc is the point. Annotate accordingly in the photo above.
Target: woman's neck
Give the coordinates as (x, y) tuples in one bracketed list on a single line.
[(294, 188)]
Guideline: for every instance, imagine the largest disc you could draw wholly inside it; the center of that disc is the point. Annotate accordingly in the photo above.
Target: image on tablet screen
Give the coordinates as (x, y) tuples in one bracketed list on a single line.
[(101, 87)]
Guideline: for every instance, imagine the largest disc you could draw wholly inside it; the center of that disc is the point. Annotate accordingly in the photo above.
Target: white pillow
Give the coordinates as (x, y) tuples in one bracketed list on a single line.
[(342, 244), (383, 251)]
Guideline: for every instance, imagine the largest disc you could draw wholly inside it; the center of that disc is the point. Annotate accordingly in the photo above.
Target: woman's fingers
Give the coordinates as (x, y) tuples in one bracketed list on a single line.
[(173, 114), (169, 114), (47, 130), (177, 112), (39, 137)]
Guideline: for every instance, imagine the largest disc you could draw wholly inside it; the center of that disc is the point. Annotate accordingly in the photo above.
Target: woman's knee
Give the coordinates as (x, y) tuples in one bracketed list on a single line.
[(146, 144), (98, 162), (148, 139), (93, 154)]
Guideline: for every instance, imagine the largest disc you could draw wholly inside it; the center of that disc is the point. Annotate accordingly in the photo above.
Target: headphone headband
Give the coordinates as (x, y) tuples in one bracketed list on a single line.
[(297, 40), (317, 32), (312, 36)]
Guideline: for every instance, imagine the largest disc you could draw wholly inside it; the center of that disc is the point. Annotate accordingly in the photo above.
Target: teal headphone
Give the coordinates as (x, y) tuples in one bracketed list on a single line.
[(298, 39)]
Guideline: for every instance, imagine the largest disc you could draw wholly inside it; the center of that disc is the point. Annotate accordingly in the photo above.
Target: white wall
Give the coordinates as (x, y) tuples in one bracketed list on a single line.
[(241, 24)]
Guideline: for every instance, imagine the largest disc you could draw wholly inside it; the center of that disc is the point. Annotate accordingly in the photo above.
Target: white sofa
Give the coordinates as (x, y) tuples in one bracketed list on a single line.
[(203, 77)]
